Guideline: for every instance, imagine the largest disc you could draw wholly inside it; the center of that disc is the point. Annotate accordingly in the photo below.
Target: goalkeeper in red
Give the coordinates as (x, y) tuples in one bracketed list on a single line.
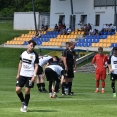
[(100, 63)]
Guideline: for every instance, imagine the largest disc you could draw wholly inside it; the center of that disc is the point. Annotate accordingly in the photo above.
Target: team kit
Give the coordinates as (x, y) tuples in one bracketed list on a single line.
[(59, 72)]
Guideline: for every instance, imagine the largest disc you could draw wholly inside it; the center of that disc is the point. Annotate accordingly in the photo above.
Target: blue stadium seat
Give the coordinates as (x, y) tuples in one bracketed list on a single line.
[(112, 45)]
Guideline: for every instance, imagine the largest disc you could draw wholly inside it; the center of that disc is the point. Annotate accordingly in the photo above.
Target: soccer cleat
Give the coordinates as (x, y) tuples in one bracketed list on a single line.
[(44, 90), (114, 94), (102, 91), (40, 90), (54, 96), (70, 93), (51, 96), (63, 94), (22, 109), (96, 91)]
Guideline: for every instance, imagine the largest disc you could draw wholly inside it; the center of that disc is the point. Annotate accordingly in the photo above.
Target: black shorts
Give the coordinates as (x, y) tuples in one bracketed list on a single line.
[(113, 77), (70, 72), (40, 70), (24, 81), (51, 75)]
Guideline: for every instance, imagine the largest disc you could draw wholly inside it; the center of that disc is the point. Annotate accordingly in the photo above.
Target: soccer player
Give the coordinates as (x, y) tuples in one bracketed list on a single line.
[(112, 64), (100, 63), (43, 60), (26, 75), (52, 73), (69, 59), (64, 81)]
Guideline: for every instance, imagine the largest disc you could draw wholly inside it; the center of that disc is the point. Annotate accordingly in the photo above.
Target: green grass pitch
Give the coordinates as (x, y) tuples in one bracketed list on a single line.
[(84, 103)]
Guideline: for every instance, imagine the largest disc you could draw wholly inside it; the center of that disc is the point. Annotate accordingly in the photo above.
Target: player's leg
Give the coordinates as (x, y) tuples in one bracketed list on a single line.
[(50, 88), (38, 83), (28, 85), (42, 82), (39, 72), (112, 78), (19, 84), (70, 86), (103, 77), (56, 88), (53, 86), (97, 78), (63, 84), (70, 76)]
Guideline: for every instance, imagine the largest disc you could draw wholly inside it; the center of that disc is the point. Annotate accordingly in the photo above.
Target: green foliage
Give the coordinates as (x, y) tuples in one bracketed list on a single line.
[(8, 7)]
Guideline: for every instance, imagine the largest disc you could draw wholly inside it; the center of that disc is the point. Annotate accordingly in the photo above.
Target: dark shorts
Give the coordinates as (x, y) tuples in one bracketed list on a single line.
[(70, 72), (51, 75), (40, 70), (24, 81), (113, 77)]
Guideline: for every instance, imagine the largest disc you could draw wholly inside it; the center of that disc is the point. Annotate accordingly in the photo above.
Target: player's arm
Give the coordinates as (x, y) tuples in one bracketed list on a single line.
[(93, 61), (75, 61), (19, 69), (109, 64), (35, 72), (36, 62), (64, 59)]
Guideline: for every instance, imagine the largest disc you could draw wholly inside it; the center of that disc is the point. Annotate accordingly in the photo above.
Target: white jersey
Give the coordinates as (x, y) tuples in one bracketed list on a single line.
[(43, 60), (28, 62), (113, 62), (58, 69)]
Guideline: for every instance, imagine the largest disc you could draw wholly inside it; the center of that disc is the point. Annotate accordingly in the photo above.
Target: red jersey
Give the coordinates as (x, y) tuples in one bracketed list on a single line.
[(100, 61)]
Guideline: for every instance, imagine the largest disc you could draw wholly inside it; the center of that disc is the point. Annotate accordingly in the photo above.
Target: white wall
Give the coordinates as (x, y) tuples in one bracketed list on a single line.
[(25, 20), (81, 7)]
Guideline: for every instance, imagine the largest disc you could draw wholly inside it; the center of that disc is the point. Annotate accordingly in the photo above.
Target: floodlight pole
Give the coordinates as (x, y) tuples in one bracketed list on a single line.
[(34, 15), (115, 14), (72, 15)]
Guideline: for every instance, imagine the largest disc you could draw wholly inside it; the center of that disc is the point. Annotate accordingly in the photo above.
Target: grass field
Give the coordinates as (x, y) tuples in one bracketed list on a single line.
[(85, 103), (8, 33)]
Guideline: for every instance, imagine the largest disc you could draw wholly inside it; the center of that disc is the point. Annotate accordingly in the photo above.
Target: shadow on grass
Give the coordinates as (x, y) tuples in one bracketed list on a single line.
[(66, 97), (42, 111)]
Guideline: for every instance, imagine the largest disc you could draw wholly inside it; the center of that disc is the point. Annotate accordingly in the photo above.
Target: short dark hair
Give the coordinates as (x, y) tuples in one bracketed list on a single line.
[(71, 43), (57, 58), (32, 41), (67, 43), (100, 48), (115, 48)]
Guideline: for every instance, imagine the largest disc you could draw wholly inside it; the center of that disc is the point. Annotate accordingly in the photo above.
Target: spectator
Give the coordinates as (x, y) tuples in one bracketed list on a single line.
[(111, 28), (60, 27), (80, 23), (46, 28), (56, 27), (69, 30), (106, 28), (63, 31), (42, 27), (60, 22), (89, 26), (86, 29), (64, 25), (96, 32), (91, 32), (38, 34)]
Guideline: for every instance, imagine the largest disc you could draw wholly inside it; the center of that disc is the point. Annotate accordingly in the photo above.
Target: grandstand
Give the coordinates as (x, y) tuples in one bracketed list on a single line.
[(53, 39)]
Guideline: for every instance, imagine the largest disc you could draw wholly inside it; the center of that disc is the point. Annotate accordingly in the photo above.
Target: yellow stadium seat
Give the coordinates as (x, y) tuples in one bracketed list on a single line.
[(65, 36), (82, 33), (56, 43), (101, 40)]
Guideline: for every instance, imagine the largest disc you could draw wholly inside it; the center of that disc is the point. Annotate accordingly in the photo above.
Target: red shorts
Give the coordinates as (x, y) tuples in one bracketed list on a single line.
[(100, 75)]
